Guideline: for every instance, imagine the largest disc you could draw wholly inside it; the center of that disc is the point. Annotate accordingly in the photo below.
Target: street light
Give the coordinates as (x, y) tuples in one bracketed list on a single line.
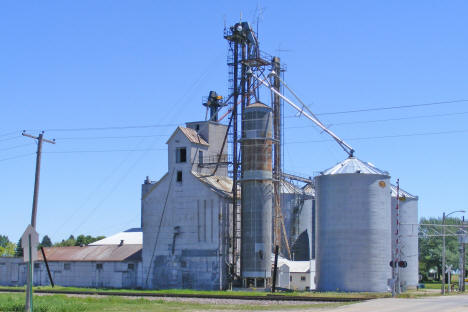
[(443, 247)]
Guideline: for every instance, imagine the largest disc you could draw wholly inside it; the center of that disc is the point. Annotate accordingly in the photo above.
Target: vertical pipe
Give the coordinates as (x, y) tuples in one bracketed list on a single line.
[(275, 269), (277, 154), (234, 161)]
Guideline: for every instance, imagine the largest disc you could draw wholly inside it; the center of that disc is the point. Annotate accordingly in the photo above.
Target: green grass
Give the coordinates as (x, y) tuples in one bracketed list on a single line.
[(63, 303), (224, 293)]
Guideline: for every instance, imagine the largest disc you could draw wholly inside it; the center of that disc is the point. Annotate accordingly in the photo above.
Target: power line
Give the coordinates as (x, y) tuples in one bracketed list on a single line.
[(17, 156), (114, 137), (385, 136), (391, 107), (13, 147), (384, 120), (8, 133), (109, 128), (104, 151), (10, 138)]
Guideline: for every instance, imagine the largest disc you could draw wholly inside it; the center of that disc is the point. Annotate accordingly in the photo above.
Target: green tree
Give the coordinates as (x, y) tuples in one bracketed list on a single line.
[(4, 240), (19, 249), (430, 249), (7, 248), (86, 240), (68, 242), (46, 242)]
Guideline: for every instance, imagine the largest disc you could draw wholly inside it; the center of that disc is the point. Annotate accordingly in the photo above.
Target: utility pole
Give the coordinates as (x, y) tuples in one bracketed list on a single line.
[(461, 238), (444, 217), (463, 256), (443, 253), (40, 139)]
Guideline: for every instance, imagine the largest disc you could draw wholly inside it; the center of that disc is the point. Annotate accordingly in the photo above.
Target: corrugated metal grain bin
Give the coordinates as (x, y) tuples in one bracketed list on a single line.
[(408, 207), (353, 228)]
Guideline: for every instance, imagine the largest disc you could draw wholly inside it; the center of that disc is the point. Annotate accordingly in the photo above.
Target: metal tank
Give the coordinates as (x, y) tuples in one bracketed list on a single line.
[(353, 228), (257, 195), (408, 208), (297, 210)]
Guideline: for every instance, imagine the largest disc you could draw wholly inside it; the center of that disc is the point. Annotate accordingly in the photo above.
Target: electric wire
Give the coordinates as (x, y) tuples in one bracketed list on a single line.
[(14, 147), (392, 107), (385, 120), (16, 157), (386, 136)]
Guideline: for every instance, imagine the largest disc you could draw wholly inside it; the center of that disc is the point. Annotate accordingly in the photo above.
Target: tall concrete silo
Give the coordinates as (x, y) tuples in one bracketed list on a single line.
[(257, 192), (353, 228), (408, 240)]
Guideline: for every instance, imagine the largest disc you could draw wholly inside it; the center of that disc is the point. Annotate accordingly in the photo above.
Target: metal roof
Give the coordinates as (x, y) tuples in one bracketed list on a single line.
[(191, 135), (93, 253), (353, 165), (221, 184), (258, 104), (295, 266), (309, 189), (130, 236), (402, 192)]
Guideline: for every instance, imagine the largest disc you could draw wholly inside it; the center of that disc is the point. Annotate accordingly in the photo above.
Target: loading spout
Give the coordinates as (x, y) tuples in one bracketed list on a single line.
[(304, 111)]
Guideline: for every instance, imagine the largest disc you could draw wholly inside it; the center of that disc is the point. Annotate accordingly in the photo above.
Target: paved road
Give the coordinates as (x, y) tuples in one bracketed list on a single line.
[(456, 303)]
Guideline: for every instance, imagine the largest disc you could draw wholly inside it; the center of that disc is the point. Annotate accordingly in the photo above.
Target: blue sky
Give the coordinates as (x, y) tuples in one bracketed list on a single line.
[(88, 64)]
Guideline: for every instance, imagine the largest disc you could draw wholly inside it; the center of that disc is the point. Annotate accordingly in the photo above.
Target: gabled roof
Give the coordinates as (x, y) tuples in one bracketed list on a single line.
[(220, 184), (191, 135), (130, 236), (93, 253)]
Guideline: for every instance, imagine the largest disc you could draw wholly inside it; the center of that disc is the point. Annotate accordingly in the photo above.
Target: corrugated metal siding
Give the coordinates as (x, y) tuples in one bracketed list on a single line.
[(353, 231)]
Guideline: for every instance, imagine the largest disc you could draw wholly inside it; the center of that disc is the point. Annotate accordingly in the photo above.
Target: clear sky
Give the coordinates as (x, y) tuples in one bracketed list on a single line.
[(90, 64)]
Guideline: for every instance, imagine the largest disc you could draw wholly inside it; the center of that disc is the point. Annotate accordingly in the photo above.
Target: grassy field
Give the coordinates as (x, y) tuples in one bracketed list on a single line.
[(430, 290), (62, 303), (224, 293)]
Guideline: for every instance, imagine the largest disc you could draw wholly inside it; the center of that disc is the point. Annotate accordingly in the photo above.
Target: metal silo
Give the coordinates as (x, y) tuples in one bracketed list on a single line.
[(257, 192), (297, 210), (408, 208), (353, 228)]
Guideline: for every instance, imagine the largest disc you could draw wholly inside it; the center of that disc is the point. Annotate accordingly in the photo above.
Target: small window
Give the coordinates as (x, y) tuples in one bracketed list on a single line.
[(98, 266), (37, 265), (181, 155), (197, 127), (200, 157), (183, 264), (131, 266), (290, 278), (303, 278), (179, 176), (66, 266)]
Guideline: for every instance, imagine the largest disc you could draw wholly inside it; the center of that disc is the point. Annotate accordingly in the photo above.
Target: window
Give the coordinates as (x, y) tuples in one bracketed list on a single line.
[(179, 176), (37, 266), (66, 266), (131, 266), (290, 278), (303, 278), (98, 266), (200, 157), (181, 155), (197, 127)]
